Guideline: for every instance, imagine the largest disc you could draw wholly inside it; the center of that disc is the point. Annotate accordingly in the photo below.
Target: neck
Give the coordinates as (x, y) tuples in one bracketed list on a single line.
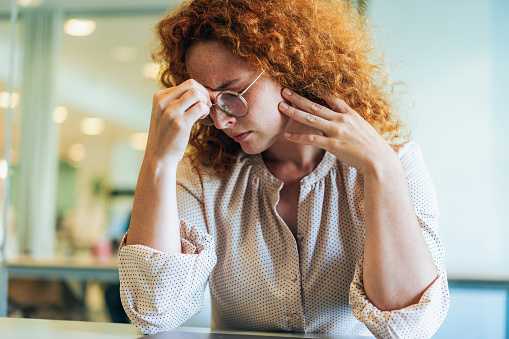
[(288, 157), (300, 156)]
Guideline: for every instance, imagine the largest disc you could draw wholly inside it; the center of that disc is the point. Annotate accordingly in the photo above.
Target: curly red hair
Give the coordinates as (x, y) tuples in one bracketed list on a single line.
[(315, 47)]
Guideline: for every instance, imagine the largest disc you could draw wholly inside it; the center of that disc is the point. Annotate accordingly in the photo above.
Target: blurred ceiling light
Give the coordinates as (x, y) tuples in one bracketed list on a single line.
[(123, 54), (151, 70), (77, 152), (60, 114), (4, 99), (92, 126), (29, 3), (3, 169), (138, 141), (79, 27)]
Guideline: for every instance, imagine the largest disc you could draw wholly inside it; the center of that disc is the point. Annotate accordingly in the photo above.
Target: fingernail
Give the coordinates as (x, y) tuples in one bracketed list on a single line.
[(287, 91), (288, 134), (283, 105)]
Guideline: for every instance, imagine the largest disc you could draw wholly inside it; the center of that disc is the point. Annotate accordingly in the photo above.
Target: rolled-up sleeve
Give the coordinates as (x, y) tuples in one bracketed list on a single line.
[(423, 319), (160, 291)]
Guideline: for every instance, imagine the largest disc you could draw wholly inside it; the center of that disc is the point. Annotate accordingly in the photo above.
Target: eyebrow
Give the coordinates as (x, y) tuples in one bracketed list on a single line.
[(225, 85)]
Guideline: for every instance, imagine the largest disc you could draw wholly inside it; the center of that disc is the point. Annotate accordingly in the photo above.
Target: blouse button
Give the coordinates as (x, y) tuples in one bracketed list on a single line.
[(295, 316)]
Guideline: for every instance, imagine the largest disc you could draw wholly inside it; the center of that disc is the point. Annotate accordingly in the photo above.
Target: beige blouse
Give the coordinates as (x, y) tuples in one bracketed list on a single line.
[(261, 277)]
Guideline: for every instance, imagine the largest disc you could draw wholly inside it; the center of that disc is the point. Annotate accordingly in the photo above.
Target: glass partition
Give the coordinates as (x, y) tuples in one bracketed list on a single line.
[(10, 232), (103, 110), (82, 110), (97, 120)]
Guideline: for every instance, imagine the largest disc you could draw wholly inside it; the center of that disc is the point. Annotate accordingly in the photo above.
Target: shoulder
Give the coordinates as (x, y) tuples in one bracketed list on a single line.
[(410, 149), (411, 157)]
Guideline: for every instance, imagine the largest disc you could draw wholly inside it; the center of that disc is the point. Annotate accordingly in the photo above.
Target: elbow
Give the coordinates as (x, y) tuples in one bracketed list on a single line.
[(392, 297), (392, 301)]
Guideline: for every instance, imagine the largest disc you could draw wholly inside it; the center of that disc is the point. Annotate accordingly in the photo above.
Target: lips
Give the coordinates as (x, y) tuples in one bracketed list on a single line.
[(240, 137)]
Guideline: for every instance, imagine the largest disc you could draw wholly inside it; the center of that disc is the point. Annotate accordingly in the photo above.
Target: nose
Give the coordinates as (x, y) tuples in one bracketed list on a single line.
[(221, 119)]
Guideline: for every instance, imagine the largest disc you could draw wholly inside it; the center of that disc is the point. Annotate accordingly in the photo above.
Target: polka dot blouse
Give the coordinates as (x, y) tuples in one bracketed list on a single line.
[(261, 277)]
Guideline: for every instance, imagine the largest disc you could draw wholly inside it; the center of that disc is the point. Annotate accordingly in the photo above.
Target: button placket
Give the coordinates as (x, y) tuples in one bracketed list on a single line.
[(294, 299)]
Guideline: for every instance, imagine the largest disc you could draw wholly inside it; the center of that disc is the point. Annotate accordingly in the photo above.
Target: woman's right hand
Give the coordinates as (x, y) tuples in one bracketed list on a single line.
[(174, 111)]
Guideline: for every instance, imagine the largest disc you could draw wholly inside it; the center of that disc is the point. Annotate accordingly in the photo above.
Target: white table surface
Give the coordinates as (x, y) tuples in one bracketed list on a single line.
[(21, 328)]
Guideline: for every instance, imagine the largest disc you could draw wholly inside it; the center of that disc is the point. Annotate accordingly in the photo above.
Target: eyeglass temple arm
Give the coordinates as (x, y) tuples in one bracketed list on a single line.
[(258, 77)]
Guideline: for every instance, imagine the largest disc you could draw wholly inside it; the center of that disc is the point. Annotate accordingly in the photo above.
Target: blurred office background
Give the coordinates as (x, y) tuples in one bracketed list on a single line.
[(81, 112)]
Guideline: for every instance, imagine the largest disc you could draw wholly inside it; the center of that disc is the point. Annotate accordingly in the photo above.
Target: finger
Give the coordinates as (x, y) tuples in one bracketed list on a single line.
[(166, 96), (187, 100), (305, 118), (195, 112), (308, 105), (190, 84), (319, 141), (337, 104), (184, 122)]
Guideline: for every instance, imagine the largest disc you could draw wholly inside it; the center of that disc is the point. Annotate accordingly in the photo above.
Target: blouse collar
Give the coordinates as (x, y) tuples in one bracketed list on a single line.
[(266, 178)]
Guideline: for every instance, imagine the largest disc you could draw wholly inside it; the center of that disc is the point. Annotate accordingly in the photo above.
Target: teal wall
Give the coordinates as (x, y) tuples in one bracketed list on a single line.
[(66, 191)]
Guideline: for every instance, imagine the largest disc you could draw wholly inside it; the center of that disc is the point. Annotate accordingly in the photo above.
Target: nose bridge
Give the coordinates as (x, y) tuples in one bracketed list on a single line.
[(213, 94), (220, 118)]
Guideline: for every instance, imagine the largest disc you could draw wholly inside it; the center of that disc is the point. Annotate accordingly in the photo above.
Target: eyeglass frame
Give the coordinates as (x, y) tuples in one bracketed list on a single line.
[(239, 95)]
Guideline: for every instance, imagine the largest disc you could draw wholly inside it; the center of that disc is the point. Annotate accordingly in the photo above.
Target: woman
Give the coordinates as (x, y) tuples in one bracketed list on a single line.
[(296, 202)]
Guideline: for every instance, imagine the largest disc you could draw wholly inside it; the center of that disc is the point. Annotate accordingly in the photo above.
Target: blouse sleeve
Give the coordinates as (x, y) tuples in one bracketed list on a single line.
[(160, 291), (423, 319)]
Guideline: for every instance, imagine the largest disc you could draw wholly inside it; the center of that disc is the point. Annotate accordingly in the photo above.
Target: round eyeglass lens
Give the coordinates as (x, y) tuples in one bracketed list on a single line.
[(232, 104)]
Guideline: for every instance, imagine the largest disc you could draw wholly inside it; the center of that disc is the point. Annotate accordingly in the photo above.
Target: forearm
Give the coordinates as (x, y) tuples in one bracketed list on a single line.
[(154, 221), (398, 266)]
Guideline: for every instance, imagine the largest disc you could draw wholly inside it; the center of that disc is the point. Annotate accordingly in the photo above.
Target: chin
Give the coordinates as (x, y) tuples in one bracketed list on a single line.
[(253, 147), (252, 150)]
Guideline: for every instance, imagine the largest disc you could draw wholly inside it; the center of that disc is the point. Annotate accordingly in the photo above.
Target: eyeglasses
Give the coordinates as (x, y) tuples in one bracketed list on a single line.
[(231, 103)]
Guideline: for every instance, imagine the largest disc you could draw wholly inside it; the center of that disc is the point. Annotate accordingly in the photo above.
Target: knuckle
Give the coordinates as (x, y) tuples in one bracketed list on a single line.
[(334, 143), (310, 138), (197, 93), (194, 92), (158, 95), (161, 106), (202, 107), (341, 118), (291, 111), (168, 110), (191, 83), (179, 124), (311, 118), (335, 130), (315, 107)]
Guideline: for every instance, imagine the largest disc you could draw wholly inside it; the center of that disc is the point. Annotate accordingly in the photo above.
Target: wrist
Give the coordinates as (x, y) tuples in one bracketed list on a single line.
[(158, 168), (384, 167)]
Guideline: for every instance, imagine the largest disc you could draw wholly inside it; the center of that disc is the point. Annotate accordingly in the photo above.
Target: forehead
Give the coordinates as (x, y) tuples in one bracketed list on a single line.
[(211, 63)]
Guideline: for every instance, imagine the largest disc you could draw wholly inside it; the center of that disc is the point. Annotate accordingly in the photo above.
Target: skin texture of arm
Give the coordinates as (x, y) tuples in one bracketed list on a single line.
[(398, 266), (154, 221)]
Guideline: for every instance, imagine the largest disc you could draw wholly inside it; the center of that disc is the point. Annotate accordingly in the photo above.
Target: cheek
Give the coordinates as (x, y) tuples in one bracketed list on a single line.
[(268, 99), (264, 106), (266, 111)]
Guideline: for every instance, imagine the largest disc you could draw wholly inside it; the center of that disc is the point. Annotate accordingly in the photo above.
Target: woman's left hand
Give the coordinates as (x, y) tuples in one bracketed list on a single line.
[(344, 132)]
